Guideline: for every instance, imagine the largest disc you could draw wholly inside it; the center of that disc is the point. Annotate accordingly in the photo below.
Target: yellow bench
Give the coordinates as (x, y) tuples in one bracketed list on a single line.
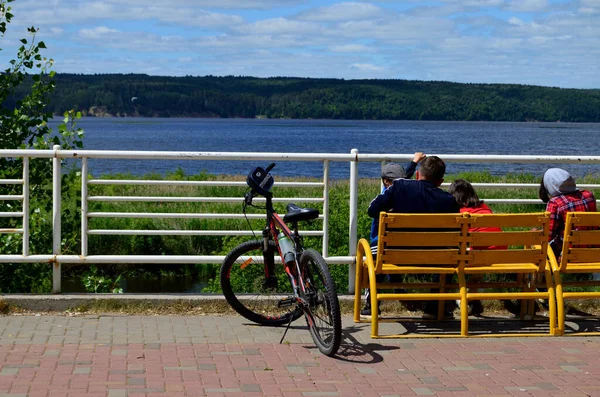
[(580, 255), (418, 244)]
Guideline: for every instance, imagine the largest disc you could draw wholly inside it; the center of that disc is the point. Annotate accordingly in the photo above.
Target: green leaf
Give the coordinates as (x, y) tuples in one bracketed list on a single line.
[(41, 44), (24, 41)]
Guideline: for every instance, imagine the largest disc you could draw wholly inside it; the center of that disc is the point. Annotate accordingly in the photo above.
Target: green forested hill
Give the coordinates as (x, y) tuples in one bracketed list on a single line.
[(280, 97)]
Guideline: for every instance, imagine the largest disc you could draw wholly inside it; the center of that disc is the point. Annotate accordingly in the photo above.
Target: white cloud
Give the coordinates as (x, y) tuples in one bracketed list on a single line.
[(342, 12), (483, 3), (516, 21), (98, 32), (218, 4), (367, 67), (528, 5), (589, 7), (348, 48), (399, 29), (281, 26), (187, 17), (101, 10), (589, 3), (132, 42)]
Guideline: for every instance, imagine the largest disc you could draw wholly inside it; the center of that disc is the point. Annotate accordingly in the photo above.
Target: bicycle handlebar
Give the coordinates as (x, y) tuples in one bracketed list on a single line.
[(260, 182)]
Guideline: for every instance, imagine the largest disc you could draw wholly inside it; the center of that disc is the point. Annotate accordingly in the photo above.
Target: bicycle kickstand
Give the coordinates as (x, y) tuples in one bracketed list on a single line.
[(286, 329)]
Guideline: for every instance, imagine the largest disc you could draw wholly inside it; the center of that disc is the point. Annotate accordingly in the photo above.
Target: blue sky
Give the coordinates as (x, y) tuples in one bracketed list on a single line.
[(538, 42)]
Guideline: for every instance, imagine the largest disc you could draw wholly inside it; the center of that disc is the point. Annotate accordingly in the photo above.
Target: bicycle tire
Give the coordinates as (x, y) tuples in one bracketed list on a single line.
[(326, 324), (246, 290)]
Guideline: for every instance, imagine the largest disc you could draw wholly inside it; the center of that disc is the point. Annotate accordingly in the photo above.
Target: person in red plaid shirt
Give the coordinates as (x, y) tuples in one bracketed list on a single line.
[(559, 192)]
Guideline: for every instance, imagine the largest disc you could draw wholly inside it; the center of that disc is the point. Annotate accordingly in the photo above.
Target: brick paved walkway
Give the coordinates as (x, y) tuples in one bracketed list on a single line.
[(159, 356)]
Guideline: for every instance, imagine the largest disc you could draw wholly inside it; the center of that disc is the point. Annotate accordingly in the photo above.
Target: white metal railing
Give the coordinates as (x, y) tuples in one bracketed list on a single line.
[(353, 159)]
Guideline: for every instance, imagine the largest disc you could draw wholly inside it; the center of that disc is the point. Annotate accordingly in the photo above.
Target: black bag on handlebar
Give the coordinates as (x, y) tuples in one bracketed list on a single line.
[(260, 180)]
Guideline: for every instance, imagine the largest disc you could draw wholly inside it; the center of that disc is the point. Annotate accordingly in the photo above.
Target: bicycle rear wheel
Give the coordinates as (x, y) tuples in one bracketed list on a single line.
[(323, 318), (250, 293)]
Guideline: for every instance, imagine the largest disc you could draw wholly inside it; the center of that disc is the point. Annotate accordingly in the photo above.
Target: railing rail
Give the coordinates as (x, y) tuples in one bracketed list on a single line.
[(353, 159)]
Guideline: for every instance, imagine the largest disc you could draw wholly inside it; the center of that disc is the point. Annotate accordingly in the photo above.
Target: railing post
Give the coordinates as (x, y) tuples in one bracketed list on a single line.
[(352, 239), (84, 207), (25, 206), (325, 249), (56, 224)]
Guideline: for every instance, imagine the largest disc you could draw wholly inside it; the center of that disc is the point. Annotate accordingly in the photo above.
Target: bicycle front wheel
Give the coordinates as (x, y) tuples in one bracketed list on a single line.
[(323, 317), (253, 294)]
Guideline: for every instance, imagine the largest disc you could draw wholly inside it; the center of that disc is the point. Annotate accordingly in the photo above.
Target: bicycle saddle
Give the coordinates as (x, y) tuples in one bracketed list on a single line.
[(297, 214)]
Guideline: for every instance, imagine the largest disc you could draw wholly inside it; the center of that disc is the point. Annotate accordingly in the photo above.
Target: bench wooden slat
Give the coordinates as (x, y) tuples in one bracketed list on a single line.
[(531, 220), (503, 268), (421, 221), (522, 238), (493, 257), (406, 269), (584, 237), (422, 239), (592, 267), (419, 257), (584, 218), (578, 255)]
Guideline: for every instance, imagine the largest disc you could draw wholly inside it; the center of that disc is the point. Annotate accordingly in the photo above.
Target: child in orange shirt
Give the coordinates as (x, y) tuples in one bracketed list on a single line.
[(469, 201)]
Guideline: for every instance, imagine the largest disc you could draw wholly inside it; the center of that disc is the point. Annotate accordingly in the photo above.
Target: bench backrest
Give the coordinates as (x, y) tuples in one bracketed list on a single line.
[(525, 235), (445, 240), (581, 244), (421, 239)]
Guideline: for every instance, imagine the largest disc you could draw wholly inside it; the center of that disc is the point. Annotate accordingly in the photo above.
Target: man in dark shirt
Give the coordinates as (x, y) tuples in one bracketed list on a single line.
[(418, 196)]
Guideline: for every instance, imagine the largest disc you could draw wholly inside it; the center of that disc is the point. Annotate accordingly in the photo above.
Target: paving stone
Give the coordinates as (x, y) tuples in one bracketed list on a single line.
[(249, 388), (570, 368), (366, 370), (117, 393), (429, 380), (423, 391)]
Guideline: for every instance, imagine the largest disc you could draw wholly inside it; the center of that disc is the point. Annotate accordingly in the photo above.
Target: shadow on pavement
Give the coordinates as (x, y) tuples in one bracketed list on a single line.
[(351, 350)]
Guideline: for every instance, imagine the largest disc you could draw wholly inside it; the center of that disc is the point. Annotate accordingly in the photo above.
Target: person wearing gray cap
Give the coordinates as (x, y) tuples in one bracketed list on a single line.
[(389, 172), (559, 192)]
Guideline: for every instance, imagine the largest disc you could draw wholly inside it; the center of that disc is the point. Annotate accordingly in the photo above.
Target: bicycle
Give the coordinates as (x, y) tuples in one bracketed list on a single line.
[(274, 293)]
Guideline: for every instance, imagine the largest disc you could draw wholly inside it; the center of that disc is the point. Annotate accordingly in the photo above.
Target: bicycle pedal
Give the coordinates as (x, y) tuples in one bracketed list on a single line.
[(285, 302)]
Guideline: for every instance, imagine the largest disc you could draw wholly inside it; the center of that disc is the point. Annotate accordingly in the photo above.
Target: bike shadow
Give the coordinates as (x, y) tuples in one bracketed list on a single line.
[(352, 350)]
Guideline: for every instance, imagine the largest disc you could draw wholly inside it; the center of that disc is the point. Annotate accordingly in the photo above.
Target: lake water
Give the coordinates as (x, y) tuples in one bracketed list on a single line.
[(333, 136)]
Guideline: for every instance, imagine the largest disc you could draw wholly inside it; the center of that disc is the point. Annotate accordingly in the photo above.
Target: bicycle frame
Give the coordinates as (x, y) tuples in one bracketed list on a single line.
[(275, 224)]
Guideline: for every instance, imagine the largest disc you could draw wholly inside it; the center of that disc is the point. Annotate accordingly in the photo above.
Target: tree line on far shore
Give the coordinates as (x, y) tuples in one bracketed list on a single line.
[(301, 98)]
